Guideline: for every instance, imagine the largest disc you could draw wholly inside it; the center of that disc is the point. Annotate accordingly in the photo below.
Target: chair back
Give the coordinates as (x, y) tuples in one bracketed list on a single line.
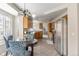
[(7, 39), (17, 48), (6, 42), (10, 37)]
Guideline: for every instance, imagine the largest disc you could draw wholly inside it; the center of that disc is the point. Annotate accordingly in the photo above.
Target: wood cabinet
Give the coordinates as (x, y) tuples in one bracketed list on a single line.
[(38, 35), (53, 26), (27, 23), (49, 27)]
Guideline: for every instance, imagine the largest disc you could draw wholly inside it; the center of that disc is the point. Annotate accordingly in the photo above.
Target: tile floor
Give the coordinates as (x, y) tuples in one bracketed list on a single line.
[(42, 48)]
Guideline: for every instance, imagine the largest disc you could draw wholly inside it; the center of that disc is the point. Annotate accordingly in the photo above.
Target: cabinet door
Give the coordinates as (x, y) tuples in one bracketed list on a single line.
[(50, 27), (29, 23), (25, 22)]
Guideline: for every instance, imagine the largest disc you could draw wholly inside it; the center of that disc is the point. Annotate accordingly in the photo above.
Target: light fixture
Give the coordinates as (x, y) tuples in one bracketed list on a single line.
[(33, 15), (9, 9), (26, 12)]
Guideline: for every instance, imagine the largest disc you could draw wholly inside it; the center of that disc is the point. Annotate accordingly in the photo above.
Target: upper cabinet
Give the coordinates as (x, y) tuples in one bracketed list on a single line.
[(27, 23), (51, 27)]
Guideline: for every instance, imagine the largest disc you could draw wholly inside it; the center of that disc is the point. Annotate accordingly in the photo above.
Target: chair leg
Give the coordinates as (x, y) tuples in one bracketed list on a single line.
[(6, 53)]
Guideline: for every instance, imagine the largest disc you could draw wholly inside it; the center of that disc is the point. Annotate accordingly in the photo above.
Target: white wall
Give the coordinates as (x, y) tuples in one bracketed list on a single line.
[(18, 27), (73, 30), (78, 28), (59, 17), (36, 24)]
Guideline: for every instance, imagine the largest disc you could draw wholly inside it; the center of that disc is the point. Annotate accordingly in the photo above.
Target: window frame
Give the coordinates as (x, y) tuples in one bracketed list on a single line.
[(5, 14)]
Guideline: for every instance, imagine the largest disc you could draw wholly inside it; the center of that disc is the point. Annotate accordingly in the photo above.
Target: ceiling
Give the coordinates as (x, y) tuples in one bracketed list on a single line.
[(44, 11)]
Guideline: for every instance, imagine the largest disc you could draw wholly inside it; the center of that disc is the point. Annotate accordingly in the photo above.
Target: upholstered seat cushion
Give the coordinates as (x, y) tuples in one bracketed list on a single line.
[(17, 48)]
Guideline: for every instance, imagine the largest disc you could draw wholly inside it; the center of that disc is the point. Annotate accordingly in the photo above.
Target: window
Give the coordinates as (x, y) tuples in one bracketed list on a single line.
[(5, 26), (1, 26)]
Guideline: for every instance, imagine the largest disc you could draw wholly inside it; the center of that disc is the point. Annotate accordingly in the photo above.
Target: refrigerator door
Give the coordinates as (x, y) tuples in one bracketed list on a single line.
[(58, 37), (61, 37)]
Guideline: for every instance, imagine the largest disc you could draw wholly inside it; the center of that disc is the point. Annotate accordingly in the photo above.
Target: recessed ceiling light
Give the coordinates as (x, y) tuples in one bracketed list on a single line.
[(33, 15)]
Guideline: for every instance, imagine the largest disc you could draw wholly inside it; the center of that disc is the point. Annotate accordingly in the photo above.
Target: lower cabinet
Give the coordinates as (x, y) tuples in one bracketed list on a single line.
[(38, 35)]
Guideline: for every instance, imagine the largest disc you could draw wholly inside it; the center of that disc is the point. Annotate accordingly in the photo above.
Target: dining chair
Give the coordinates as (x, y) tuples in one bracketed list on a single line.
[(18, 48), (7, 39), (7, 45)]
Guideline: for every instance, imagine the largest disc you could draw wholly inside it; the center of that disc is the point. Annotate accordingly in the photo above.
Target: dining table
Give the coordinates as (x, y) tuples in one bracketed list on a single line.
[(30, 44)]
